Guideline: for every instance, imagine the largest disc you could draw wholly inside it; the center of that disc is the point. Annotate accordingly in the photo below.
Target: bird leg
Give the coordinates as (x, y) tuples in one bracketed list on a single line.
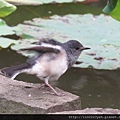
[(47, 84)]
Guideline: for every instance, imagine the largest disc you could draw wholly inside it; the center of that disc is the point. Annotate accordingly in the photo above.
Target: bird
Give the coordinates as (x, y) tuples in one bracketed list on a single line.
[(51, 60)]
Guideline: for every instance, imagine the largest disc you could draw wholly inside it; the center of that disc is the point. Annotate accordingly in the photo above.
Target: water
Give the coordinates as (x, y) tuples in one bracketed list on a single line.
[(44, 11), (97, 88)]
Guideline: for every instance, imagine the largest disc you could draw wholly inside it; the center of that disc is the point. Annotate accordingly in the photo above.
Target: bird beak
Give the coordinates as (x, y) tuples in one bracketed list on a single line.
[(85, 48)]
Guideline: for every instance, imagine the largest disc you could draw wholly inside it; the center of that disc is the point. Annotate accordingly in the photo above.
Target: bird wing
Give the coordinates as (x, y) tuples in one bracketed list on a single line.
[(44, 47), (49, 41)]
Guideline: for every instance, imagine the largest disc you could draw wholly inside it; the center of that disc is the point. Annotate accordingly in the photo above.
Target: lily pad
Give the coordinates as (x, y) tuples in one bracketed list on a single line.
[(100, 33), (22, 44), (5, 29), (38, 2), (6, 42), (6, 8)]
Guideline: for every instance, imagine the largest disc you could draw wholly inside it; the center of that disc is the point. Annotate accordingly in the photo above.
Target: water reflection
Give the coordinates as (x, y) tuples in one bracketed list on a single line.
[(95, 87)]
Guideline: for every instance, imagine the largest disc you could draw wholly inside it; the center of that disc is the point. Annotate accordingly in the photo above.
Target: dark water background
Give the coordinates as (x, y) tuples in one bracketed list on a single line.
[(97, 88)]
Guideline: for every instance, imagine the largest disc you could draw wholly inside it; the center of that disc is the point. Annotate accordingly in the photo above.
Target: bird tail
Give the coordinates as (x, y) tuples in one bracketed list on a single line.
[(13, 71)]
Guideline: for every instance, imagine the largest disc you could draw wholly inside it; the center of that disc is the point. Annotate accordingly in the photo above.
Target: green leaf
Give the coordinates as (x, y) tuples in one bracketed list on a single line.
[(6, 8), (22, 44), (38, 2), (100, 33), (5, 29), (6, 42), (113, 8), (116, 12), (110, 6)]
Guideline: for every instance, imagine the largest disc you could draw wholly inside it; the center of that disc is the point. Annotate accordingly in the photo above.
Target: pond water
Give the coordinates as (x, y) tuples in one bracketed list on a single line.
[(44, 11), (97, 88)]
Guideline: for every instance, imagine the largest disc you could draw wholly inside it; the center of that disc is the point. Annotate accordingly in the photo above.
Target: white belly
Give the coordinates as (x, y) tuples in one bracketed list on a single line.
[(52, 68)]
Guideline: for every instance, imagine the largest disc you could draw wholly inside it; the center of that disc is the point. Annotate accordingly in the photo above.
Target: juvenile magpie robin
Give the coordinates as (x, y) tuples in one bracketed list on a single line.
[(52, 59)]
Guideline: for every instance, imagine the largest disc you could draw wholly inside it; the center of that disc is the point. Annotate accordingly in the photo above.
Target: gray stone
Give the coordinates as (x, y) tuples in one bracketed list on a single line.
[(21, 97)]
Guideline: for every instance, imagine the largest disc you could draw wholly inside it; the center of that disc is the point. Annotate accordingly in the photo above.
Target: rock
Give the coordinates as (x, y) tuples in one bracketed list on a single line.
[(92, 111), (21, 97)]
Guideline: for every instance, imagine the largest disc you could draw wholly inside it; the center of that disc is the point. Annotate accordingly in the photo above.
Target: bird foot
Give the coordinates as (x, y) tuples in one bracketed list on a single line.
[(43, 85), (54, 91)]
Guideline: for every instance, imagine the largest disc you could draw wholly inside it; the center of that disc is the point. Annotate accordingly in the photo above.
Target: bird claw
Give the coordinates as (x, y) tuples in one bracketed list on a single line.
[(43, 85), (54, 92)]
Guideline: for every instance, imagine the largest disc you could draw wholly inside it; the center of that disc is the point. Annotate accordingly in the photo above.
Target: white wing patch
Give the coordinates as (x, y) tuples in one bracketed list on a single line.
[(50, 45)]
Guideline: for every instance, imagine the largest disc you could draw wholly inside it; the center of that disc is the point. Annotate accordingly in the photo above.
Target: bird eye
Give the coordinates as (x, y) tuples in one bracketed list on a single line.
[(77, 48)]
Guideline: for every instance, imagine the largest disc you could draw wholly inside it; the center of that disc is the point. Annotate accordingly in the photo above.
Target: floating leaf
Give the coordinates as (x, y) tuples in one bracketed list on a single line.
[(38, 2), (6, 8), (22, 44), (100, 33), (5, 29), (6, 42)]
